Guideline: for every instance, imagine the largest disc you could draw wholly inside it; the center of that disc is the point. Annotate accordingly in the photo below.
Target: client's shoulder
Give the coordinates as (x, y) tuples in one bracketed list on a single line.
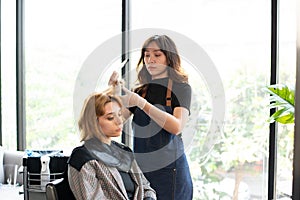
[(79, 156)]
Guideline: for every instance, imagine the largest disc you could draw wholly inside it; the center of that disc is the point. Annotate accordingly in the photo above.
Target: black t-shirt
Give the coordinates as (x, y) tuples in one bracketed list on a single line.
[(157, 91)]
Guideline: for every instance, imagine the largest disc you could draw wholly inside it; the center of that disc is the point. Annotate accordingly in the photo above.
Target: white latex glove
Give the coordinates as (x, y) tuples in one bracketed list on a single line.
[(131, 99)]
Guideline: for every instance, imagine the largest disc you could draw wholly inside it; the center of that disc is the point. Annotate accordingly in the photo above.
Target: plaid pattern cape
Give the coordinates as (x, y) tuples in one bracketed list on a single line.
[(90, 178)]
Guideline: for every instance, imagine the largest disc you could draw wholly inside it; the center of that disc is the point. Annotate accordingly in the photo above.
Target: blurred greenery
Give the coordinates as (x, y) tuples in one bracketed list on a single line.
[(49, 105), (241, 151)]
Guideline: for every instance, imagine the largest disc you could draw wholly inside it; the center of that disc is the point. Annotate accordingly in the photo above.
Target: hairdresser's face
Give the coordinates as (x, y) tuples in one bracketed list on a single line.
[(111, 122), (156, 61)]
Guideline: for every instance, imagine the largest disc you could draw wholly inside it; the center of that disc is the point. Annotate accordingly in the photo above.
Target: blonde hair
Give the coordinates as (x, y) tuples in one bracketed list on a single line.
[(93, 108)]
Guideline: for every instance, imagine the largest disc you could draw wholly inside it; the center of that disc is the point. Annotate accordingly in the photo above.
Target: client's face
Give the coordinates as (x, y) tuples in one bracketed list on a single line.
[(111, 122)]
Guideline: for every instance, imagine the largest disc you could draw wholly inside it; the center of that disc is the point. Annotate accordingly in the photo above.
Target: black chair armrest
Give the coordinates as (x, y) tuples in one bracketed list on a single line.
[(51, 193), (59, 189)]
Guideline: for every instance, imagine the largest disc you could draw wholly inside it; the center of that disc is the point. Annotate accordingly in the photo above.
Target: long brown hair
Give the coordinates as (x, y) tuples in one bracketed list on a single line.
[(169, 49)]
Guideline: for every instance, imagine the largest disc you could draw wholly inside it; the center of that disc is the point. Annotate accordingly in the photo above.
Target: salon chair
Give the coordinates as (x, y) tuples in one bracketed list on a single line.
[(59, 190)]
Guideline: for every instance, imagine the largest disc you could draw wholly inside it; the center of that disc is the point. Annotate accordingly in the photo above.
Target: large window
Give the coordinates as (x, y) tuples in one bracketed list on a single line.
[(59, 37), (238, 42), (287, 76), (8, 73)]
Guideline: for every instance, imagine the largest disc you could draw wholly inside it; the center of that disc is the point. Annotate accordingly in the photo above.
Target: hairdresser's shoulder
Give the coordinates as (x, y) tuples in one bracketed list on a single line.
[(182, 86)]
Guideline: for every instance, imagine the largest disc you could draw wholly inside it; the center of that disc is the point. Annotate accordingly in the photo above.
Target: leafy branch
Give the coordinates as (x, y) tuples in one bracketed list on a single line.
[(283, 99)]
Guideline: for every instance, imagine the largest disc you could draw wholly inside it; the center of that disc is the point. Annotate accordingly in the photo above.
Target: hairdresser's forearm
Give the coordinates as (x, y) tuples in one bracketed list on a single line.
[(171, 123)]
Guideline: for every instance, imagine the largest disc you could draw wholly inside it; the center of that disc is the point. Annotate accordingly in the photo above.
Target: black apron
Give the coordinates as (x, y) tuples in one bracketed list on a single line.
[(161, 156)]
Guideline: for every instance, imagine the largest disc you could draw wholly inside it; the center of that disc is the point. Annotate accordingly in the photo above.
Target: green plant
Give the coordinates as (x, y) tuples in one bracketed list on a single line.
[(283, 99)]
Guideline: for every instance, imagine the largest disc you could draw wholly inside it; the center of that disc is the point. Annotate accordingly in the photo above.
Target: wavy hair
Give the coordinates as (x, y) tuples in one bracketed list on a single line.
[(169, 49)]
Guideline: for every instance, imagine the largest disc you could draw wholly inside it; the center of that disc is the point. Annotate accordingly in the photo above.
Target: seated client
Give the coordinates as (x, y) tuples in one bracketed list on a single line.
[(102, 168)]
